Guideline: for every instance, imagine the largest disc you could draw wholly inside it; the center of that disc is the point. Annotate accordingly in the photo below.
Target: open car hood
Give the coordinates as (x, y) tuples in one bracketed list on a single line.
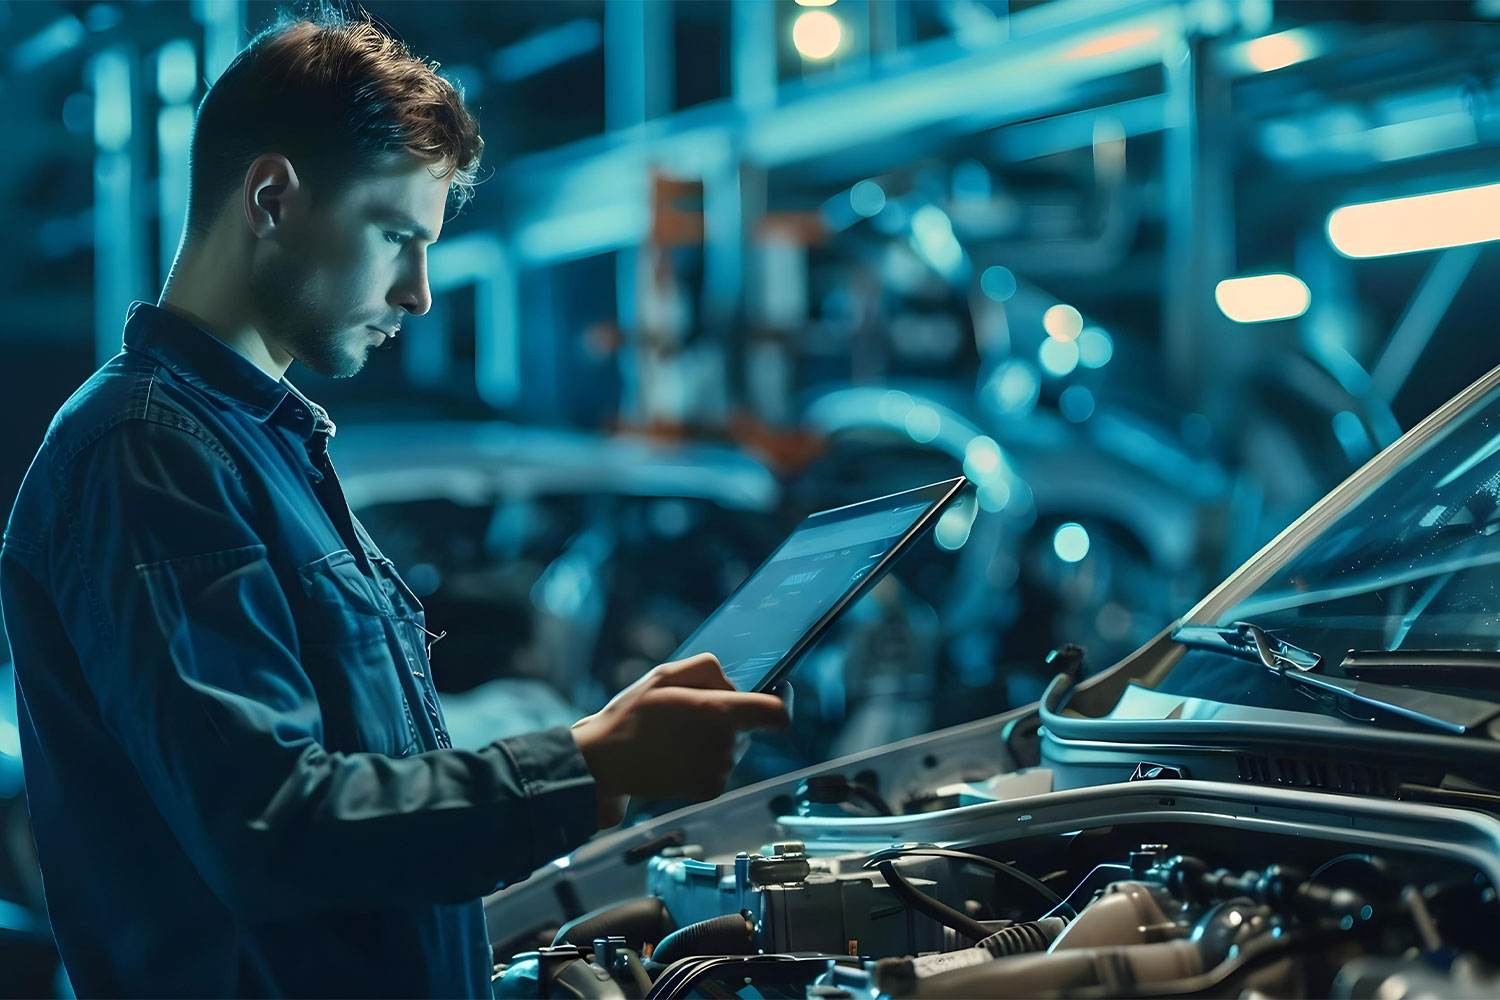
[(1107, 788)]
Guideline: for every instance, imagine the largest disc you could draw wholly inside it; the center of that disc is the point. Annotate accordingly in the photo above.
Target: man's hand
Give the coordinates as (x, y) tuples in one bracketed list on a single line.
[(670, 734)]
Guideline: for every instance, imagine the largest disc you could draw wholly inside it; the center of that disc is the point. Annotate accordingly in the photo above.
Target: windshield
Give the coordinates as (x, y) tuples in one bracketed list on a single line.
[(1414, 565)]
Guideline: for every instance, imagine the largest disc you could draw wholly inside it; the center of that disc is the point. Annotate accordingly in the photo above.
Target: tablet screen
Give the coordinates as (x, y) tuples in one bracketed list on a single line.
[(818, 566)]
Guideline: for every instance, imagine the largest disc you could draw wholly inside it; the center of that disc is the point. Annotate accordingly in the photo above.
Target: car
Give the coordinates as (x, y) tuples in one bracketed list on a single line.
[(1291, 790)]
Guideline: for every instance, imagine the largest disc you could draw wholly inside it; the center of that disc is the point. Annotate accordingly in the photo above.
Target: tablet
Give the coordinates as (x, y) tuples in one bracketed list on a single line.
[(831, 560)]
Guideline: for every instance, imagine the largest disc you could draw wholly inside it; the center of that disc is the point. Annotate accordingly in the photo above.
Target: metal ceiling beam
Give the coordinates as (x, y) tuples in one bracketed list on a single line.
[(554, 199)]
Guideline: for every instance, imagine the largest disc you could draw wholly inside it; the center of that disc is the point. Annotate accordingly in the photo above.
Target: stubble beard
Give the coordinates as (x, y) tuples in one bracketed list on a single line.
[(279, 289)]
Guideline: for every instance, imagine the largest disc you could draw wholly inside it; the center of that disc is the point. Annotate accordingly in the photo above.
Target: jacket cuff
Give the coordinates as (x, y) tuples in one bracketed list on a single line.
[(559, 789)]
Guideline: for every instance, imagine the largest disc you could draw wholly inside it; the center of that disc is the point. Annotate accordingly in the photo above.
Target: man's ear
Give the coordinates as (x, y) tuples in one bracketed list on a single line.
[(271, 188)]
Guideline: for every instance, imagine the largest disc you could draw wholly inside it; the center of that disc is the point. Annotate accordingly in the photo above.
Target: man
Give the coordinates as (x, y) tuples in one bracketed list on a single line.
[(237, 768)]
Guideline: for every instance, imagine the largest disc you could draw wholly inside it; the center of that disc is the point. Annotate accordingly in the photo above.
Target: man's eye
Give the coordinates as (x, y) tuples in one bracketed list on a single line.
[(400, 239)]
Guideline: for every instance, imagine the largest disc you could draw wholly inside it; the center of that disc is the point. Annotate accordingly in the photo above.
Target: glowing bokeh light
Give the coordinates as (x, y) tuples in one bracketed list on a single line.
[(1261, 298), (1272, 52), (923, 424), (1071, 542), (1076, 403), (1058, 357), (1117, 41), (894, 406), (998, 283), (981, 458), (1419, 222), (1062, 322), (1095, 348), (953, 528), (1014, 387), (817, 34), (867, 198), (994, 495)]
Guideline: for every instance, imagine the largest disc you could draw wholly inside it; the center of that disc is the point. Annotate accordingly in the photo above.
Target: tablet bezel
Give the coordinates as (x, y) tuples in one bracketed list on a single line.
[(939, 497)]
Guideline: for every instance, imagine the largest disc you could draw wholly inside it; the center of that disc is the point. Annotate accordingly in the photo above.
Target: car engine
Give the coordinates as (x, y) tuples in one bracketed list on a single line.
[(1106, 910)]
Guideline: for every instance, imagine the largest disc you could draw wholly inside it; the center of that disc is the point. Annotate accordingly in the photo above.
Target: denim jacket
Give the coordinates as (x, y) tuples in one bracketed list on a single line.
[(237, 768)]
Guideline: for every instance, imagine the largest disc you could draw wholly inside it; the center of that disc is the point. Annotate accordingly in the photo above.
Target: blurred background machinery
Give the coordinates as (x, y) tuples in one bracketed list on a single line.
[(1155, 273)]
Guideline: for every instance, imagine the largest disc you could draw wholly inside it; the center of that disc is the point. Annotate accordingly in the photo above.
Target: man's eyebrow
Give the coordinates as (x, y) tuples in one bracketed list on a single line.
[(403, 221)]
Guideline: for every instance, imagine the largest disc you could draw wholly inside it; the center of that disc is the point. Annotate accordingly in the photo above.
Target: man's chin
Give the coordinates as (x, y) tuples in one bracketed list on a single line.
[(344, 364)]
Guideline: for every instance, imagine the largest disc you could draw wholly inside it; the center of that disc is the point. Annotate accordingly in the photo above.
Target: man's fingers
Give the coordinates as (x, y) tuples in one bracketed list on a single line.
[(700, 671), (750, 710)]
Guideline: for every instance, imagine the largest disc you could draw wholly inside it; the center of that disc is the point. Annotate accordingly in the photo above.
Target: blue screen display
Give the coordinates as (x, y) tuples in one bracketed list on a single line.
[(812, 570)]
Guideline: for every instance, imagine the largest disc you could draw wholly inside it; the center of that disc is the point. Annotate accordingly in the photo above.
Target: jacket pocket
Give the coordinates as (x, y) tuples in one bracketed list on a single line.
[(346, 646)]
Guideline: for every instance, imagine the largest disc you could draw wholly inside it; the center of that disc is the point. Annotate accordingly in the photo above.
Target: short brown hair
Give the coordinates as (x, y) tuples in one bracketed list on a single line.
[(335, 93)]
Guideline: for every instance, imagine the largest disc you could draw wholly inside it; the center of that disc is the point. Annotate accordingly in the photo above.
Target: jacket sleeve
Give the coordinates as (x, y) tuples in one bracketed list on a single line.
[(188, 645)]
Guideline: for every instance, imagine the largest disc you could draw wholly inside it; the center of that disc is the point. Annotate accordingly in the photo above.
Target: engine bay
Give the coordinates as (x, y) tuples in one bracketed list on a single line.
[(1129, 891)]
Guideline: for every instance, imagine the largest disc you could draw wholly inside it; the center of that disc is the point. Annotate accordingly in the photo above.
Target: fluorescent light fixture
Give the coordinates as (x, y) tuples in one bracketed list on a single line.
[(1419, 222), (817, 34), (1261, 298), (1278, 51)]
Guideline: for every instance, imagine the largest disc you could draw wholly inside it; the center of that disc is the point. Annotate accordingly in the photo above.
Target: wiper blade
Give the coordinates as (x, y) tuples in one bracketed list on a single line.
[(1424, 666), (1247, 641)]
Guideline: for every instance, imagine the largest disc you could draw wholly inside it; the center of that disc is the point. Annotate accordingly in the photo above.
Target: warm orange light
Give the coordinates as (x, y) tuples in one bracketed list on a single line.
[(1119, 41)]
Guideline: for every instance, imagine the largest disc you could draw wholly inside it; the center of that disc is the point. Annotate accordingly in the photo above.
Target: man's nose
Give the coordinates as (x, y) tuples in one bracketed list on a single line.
[(412, 293)]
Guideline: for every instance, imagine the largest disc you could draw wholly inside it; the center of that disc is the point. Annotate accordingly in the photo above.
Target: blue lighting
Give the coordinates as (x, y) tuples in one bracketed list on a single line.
[(867, 198), (78, 113), (953, 528), (1076, 403), (997, 283), (1094, 348), (177, 71), (1014, 387), (1352, 436), (1071, 543), (1058, 357)]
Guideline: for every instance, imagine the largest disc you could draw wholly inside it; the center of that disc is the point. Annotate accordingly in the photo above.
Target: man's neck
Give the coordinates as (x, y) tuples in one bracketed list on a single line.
[(215, 310)]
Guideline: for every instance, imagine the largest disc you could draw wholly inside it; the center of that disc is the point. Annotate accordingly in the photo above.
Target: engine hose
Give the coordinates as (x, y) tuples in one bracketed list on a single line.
[(936, 909), (731, 934), (1018, 939), (638, 921)]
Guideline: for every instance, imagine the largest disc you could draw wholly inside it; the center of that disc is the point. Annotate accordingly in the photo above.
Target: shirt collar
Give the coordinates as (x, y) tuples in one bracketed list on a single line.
[(207, 363)]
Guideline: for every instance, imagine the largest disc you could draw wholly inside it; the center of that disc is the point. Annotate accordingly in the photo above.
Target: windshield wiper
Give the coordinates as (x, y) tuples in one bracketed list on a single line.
[(1247, 641), (1424, 666)]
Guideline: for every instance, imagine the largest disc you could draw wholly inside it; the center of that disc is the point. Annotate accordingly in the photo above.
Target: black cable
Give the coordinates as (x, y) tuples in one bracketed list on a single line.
[(936, 909), (1047, 893)]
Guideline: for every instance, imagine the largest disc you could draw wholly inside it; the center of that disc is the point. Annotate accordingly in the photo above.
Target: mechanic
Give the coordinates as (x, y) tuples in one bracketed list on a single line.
[(236, 765)]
